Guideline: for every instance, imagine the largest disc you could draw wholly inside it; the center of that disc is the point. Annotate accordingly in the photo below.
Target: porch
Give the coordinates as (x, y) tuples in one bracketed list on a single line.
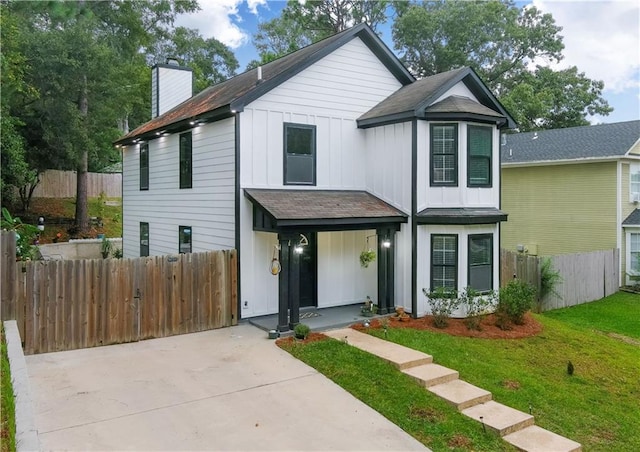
[(318, 319)]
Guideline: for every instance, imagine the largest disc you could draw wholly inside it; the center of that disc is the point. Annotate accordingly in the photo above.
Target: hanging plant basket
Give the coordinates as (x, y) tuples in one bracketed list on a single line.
[(366, 257)]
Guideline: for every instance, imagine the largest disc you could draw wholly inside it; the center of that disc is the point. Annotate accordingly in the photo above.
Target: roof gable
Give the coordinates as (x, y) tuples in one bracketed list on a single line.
[(224, 99), (415, 99), (574, 143)]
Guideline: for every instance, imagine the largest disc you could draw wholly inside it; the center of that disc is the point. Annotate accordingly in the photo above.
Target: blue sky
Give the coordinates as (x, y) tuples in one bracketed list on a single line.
[(602, 38)]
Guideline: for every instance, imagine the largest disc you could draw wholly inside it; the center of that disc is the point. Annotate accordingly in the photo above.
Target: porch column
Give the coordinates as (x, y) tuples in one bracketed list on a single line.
[(386, 269), (283, 283), (294, 284)]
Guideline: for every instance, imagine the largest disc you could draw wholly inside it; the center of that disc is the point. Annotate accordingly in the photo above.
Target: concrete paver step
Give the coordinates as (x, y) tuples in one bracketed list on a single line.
[(537, 439), (398, 355), (500, 418), (431, 374), (460, 394)]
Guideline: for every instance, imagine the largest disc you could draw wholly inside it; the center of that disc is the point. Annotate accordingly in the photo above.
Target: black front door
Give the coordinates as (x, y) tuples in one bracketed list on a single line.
[(308, 272)]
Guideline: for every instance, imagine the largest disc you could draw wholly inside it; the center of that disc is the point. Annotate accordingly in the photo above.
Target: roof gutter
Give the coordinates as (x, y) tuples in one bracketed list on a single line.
[(560, 162)]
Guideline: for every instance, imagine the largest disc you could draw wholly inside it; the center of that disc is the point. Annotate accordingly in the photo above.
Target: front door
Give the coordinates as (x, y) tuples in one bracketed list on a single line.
[(308, 272)]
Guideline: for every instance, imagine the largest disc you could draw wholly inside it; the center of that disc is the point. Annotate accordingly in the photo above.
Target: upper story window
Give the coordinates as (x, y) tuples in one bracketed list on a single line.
[(444, 155), (444, 261), (186, 161), (299, 154), (481, 262), (479, 150), (634, 183), (144, 239), (144, 166), (184, 239)]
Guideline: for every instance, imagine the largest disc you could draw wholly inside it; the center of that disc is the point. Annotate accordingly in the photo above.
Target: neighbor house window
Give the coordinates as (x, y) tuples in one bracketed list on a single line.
[(184, 239), (481, 262), (444, 261), (186, 162), (634, 251), (634, 185), (299, 154), (444, 154), (144, 166), (479, 148), (144, 239)]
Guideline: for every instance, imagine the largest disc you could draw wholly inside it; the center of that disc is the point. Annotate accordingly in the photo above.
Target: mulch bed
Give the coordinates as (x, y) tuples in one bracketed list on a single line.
[(457, 327)]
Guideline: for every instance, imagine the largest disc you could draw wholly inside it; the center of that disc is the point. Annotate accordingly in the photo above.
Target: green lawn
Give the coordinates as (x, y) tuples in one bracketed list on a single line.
[(618, 313), (597, 406), (7, 424)]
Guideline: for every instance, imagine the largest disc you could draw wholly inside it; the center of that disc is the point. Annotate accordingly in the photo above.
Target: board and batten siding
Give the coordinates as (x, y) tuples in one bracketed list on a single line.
[(330, 94), (208, 207), (460, 196), (560, 209)]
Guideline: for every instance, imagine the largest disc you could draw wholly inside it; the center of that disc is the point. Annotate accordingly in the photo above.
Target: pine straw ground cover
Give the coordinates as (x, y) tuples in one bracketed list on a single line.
[(596, 406)]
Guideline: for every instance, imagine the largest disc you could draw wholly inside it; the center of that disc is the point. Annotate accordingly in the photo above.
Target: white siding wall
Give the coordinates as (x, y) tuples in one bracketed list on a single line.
[(175, 86), (208, 207), (460, 196), (331, 94), (424, 257)]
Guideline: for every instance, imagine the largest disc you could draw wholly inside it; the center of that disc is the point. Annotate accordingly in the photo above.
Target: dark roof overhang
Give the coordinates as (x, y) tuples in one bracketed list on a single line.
[(461, 215), (633, 219), (473, 117), (280, 210)]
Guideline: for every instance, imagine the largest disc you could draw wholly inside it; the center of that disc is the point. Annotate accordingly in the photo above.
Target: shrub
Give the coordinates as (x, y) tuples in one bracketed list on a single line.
[(443, 302), (301, 331), (516, 298), (549, 279), (476, 305)]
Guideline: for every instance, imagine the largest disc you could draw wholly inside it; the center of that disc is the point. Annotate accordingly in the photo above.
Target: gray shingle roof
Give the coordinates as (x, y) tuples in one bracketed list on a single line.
[(236, 92), (573, 143), (459, 104), (461, 215), (632, 219)]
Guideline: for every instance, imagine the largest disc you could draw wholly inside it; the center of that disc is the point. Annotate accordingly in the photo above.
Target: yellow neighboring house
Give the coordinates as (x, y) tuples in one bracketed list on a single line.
[(574, 190)]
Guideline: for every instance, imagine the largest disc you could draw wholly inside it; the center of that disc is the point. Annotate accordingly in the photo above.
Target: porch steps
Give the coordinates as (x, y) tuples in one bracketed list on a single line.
[(460, 394), (431, 374), (398, 355), (498, 417), (516, 427)]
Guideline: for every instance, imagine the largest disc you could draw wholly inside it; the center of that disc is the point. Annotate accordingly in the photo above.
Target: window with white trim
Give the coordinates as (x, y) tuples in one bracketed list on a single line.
[(634, 184), (444, 261), (444, 155), (634, 252), (481, 262)]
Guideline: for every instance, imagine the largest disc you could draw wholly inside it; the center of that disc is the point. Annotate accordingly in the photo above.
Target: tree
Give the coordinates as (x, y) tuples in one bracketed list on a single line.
[(301, 24), (500, 41), (212, 61)]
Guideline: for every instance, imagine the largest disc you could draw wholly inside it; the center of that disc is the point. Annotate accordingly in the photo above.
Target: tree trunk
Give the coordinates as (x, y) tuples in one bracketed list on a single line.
[(82, 217)]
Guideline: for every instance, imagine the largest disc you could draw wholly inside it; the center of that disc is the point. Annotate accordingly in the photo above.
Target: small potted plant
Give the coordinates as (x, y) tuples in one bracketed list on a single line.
[(369, 309), (366, 257)]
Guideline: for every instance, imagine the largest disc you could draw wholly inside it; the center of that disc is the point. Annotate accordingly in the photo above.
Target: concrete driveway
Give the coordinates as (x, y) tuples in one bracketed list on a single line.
[(228, 389)]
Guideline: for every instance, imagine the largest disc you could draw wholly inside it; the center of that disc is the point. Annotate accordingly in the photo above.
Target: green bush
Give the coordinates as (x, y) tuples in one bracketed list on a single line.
[(477, 306), (443, 302), (301, 331), (516, 298), (549, 279)]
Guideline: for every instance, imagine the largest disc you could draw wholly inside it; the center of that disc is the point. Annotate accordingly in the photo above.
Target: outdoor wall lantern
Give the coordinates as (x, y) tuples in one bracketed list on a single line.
[(386, 243), (303, 242)]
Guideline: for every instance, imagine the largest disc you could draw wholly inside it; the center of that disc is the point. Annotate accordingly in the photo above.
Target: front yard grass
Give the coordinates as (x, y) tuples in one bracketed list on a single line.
[(618, 313), (7, 418), (597, 406)]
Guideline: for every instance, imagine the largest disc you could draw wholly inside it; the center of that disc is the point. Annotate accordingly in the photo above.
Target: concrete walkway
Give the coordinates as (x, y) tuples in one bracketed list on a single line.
[(227, 389), (515, 427)]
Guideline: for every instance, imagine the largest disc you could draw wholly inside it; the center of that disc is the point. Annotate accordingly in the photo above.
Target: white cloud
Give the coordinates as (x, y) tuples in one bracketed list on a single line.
[(601, 38), (219, 19)]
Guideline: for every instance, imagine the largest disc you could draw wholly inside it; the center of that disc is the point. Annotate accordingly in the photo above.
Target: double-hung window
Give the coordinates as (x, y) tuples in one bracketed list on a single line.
[(299, 154), (634, 185), (481, 262), (479, 149), (444, 154), (184, 239), (144, 166), (144, 239), (634, 251), (444, 261), (186, 161)]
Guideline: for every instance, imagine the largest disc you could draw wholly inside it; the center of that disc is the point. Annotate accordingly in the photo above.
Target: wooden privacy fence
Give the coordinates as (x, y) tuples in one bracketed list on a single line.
[(585, 276), (70, 304), (63, 184)]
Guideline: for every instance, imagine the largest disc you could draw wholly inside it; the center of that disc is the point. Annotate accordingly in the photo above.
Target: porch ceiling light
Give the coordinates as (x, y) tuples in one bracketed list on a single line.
[(386, 243), (298, 249)]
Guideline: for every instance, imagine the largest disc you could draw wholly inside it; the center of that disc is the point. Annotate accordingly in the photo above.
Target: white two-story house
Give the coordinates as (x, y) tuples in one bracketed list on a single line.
[(305, 162)]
